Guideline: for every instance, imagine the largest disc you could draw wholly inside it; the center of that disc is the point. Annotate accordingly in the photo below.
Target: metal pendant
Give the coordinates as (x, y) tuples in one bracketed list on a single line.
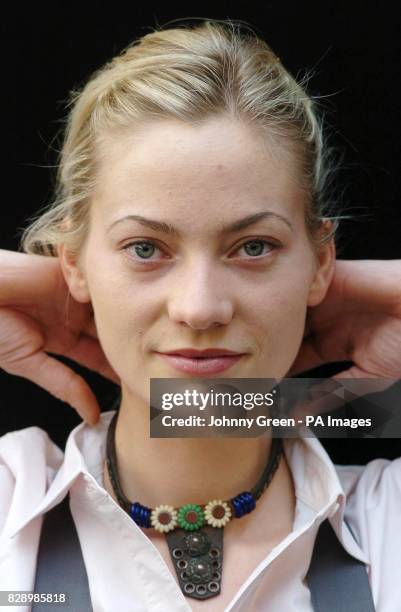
[(198, 560)]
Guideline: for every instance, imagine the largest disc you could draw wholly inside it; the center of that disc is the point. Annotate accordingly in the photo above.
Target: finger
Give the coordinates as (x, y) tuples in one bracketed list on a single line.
[(89, 353), (374, 284), (60, 381), (25, 275)]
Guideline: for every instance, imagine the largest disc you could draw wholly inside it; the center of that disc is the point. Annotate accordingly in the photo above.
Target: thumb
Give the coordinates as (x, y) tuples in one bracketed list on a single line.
[(60, 380)]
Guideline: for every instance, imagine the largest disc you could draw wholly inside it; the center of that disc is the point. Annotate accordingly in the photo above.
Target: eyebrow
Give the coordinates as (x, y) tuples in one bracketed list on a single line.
[(231, 228)]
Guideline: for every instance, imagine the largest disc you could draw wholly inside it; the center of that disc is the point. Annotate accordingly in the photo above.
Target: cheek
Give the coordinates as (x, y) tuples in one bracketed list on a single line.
[(121, 316), (278, 318)]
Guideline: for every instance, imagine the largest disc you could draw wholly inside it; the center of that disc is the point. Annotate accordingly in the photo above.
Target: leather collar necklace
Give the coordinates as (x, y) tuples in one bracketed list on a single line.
[(194, 532)]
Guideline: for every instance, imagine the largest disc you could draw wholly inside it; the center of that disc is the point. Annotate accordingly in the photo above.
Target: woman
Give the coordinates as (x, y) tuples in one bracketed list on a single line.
[(190, 215)]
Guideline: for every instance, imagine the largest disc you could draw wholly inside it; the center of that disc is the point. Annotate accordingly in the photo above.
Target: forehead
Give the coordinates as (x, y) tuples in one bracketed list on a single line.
[(220, 164)]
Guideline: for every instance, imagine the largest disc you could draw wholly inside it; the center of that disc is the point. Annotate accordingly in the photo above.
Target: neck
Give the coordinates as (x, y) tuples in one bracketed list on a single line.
[(177, 471)]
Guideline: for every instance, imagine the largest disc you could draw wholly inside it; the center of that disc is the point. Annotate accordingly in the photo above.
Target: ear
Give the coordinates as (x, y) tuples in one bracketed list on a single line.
[(73, 274), (325, 258)]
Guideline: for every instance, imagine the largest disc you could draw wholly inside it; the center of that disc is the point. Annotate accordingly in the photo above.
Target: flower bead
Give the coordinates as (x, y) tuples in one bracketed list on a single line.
[(217, 513), (190, 517), (164, 518)]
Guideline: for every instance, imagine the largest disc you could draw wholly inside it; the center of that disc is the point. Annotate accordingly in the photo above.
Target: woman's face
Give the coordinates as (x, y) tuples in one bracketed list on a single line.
[(191, 281)]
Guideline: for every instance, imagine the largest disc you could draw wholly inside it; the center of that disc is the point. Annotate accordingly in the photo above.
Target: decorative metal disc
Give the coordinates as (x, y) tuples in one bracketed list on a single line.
[(198, 560)]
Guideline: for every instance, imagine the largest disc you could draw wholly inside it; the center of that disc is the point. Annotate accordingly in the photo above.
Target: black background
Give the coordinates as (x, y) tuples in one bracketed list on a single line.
[(351, 51)]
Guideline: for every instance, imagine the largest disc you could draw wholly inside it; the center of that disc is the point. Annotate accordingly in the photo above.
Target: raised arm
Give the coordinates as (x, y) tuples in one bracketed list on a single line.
[(38, 316)]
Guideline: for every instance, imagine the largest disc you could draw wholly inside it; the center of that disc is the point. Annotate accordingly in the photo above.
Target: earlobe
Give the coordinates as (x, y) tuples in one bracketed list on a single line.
[(73, 275), (324, 273)]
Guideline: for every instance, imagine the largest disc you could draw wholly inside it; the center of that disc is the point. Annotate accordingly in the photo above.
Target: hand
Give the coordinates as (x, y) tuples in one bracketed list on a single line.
[(38, 315), (359, 320)]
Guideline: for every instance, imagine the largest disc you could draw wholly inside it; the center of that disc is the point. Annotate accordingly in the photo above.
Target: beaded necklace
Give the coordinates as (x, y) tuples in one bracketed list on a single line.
[(194, 532)]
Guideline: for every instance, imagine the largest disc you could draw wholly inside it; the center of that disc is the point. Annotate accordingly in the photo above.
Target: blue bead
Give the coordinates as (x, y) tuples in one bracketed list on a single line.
[(250, 501), (132, 510), (239, 506), (243, 503), (147, 522), (144, 516), (140, 514)]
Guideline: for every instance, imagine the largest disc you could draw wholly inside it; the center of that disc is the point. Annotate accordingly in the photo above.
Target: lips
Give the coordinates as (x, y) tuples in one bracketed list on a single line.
[(201, 363), (209, 352)]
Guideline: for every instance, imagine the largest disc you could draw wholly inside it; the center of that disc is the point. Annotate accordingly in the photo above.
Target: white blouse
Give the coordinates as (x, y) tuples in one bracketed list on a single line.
[(127, 572)]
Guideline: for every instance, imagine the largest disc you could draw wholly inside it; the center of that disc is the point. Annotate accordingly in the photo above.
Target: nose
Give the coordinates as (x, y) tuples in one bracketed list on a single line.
[(201, 299)]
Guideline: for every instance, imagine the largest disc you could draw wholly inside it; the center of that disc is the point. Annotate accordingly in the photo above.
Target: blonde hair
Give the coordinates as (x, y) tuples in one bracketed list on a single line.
[(188, 73)]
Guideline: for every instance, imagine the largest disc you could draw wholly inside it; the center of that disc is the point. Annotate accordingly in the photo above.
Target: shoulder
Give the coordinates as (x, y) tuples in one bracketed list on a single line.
[(29, 460), (373, 503), (376, 484)]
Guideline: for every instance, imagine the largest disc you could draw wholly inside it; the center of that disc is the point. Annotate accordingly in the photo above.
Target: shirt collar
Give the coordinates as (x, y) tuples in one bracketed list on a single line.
[(81, 457), (317, 484), (318, 487)]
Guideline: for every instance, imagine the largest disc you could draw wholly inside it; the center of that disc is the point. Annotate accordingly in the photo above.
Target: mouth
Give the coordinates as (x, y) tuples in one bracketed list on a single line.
[(198, 364)]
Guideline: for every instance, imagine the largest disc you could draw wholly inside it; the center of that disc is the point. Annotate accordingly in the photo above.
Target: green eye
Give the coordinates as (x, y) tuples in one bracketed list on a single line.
[(254, 248), (144, 249)]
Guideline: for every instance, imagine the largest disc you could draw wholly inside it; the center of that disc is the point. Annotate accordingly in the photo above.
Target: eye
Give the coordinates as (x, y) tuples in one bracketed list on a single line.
[(144, 249), (254, 247)]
